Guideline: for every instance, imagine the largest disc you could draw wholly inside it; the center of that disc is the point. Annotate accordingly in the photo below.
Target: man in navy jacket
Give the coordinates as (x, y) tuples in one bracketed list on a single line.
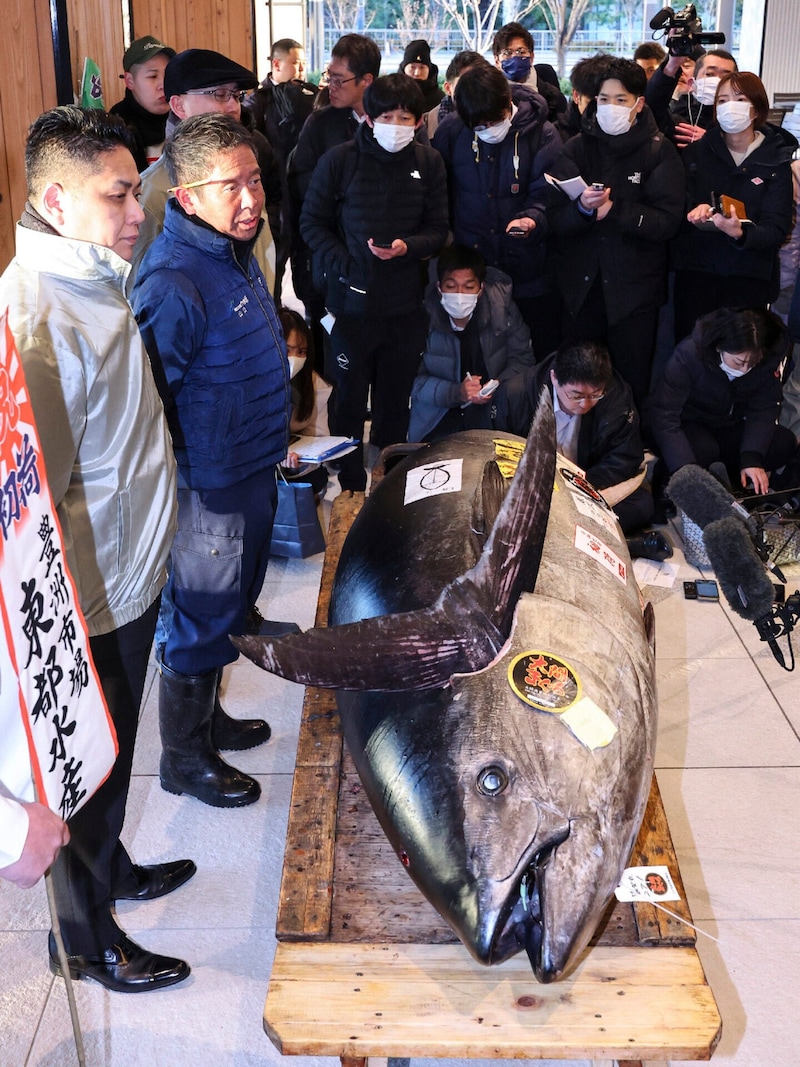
[(219, 358)]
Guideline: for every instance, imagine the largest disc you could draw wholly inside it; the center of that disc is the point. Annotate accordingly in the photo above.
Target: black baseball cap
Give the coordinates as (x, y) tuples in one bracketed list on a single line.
[(200, 68)]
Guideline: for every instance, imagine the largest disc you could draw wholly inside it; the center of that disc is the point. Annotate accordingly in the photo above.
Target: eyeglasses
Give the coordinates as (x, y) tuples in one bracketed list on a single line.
[(577, 398), (222, 96), (336, 81), (520, 53)]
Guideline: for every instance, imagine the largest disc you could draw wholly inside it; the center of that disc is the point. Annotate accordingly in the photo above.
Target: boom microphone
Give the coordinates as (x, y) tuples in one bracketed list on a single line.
[(738, 569), (703, 498)]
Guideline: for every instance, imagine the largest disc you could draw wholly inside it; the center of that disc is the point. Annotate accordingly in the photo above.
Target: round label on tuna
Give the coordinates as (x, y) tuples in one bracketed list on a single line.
[(544, 681)]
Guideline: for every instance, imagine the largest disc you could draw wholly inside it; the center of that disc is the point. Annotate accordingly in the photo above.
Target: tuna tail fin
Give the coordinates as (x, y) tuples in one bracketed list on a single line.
[(466, 627)]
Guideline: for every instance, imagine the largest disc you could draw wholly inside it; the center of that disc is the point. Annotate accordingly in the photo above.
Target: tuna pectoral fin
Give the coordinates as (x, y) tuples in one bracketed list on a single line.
[(391, 653)]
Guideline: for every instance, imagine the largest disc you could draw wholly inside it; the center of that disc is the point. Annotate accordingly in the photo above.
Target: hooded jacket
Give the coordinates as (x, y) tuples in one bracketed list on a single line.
[(694, 389), (763, 182), (101, 424), (361, 191), (490, 185), (628, 248), (217, 350), (505, 343)]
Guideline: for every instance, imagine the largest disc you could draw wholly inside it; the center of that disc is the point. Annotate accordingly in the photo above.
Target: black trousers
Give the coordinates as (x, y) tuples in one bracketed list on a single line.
[(631, 343), (94, 866), (381, 355)]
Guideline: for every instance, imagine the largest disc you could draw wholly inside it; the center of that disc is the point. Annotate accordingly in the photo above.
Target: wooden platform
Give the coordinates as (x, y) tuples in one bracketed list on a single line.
[(366, 968)]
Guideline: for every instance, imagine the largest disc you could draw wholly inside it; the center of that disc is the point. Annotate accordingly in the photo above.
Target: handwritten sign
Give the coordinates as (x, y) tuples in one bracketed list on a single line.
[(71, 738)]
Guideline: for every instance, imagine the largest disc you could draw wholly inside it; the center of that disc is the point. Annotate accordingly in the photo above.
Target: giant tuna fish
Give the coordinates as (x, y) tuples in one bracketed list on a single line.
[(495, 676)]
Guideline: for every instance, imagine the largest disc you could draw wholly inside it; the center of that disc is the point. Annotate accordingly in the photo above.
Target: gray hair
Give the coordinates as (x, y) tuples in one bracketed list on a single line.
[(191, 153)]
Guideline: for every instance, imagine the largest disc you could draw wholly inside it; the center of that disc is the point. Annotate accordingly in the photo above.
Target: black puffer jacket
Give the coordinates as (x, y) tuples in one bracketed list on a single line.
[(491, 184), (360, 191), (628, 248), (763, 182), (693, 388)]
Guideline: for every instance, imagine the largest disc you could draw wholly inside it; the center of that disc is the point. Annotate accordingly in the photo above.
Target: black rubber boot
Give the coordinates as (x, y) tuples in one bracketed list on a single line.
[(229, 734), (189, 762)]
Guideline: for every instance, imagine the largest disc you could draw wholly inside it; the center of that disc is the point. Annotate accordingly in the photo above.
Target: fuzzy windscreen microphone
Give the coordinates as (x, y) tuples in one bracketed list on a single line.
[(740, 573), (701, 496)]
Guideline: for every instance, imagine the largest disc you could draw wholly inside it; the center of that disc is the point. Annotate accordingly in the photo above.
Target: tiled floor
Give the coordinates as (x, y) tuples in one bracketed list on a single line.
[(728, 759)]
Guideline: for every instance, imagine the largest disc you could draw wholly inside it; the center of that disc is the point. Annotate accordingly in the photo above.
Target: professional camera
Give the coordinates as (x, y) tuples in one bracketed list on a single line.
[(686, 29)]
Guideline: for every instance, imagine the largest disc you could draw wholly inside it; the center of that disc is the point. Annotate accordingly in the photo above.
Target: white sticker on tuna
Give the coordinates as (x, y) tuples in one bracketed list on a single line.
[(433, 479), (585, 541), (652, 884), (590, 724), (592, 511)]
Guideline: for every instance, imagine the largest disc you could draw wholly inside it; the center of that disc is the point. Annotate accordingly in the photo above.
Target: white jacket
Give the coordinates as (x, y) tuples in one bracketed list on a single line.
[(104, 438)]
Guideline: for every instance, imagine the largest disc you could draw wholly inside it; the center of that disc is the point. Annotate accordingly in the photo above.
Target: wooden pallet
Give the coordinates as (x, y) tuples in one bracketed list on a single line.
[(365, 967)]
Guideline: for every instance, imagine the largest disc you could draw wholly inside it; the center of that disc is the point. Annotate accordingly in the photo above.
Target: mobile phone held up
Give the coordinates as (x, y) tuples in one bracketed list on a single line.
[(598, 187)]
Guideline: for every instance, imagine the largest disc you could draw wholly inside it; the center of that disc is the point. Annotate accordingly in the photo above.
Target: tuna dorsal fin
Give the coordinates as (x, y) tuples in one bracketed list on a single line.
[(466, 627)]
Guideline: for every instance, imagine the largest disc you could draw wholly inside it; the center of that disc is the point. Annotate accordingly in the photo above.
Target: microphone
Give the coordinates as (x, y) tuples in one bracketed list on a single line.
[(703, 498), (738, 568)]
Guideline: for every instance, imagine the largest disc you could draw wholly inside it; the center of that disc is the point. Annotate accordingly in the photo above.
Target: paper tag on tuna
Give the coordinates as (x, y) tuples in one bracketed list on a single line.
[(600, 515), (586, 542), (590, 724), (650, 884), (433, 479)]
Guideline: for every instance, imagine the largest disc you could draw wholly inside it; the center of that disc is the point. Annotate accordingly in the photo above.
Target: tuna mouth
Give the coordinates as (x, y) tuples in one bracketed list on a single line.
[(523, 924)]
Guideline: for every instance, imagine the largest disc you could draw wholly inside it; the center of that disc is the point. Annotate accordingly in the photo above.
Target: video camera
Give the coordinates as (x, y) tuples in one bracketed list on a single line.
[(686, 30)]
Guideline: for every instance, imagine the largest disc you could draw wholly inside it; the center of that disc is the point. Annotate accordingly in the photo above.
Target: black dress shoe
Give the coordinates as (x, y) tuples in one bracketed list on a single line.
[(257, 626), (650, 544), (124, 967), (157, 879)]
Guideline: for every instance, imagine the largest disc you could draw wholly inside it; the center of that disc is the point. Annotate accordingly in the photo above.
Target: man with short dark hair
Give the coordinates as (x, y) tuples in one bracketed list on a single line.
[(586, 77), (283, 101), (610, 244), (355, 64), (144, 107), (497, 149), (376, 209), (112, 476), (597, 428), (217, 348), (688, 119), (460, 62), (512, 49), (649, 55)]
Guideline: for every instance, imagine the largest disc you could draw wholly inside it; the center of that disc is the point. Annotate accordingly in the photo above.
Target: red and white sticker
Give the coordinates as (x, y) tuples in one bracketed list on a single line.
[(587, 542)]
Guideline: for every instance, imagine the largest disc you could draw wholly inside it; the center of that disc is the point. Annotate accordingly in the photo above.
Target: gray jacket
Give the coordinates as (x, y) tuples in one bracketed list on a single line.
[(101, 424)]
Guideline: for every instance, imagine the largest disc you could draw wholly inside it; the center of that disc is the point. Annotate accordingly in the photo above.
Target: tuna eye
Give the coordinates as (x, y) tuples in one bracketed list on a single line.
[(492, 781)]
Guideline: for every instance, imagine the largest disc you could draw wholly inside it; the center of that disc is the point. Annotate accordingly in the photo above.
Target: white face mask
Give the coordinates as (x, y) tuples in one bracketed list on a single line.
[(614, 119), (459, 305), (734, 115), (704, 91), (393, 138), (296, 364), (495, 134), (732, 372)]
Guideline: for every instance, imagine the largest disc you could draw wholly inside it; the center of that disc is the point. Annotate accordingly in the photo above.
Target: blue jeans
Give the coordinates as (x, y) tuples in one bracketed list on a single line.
[(217, 568)]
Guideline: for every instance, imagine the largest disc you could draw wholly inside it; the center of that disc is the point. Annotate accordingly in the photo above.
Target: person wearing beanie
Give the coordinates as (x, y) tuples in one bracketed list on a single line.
[(417, 65), (144, 108)]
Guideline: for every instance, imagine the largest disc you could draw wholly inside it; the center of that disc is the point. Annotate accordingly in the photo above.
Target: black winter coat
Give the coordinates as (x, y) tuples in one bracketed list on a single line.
[(360, 191), (492, 184), (609, 441), (763, 183), (628, 248), (695, 389), (279, 111)]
